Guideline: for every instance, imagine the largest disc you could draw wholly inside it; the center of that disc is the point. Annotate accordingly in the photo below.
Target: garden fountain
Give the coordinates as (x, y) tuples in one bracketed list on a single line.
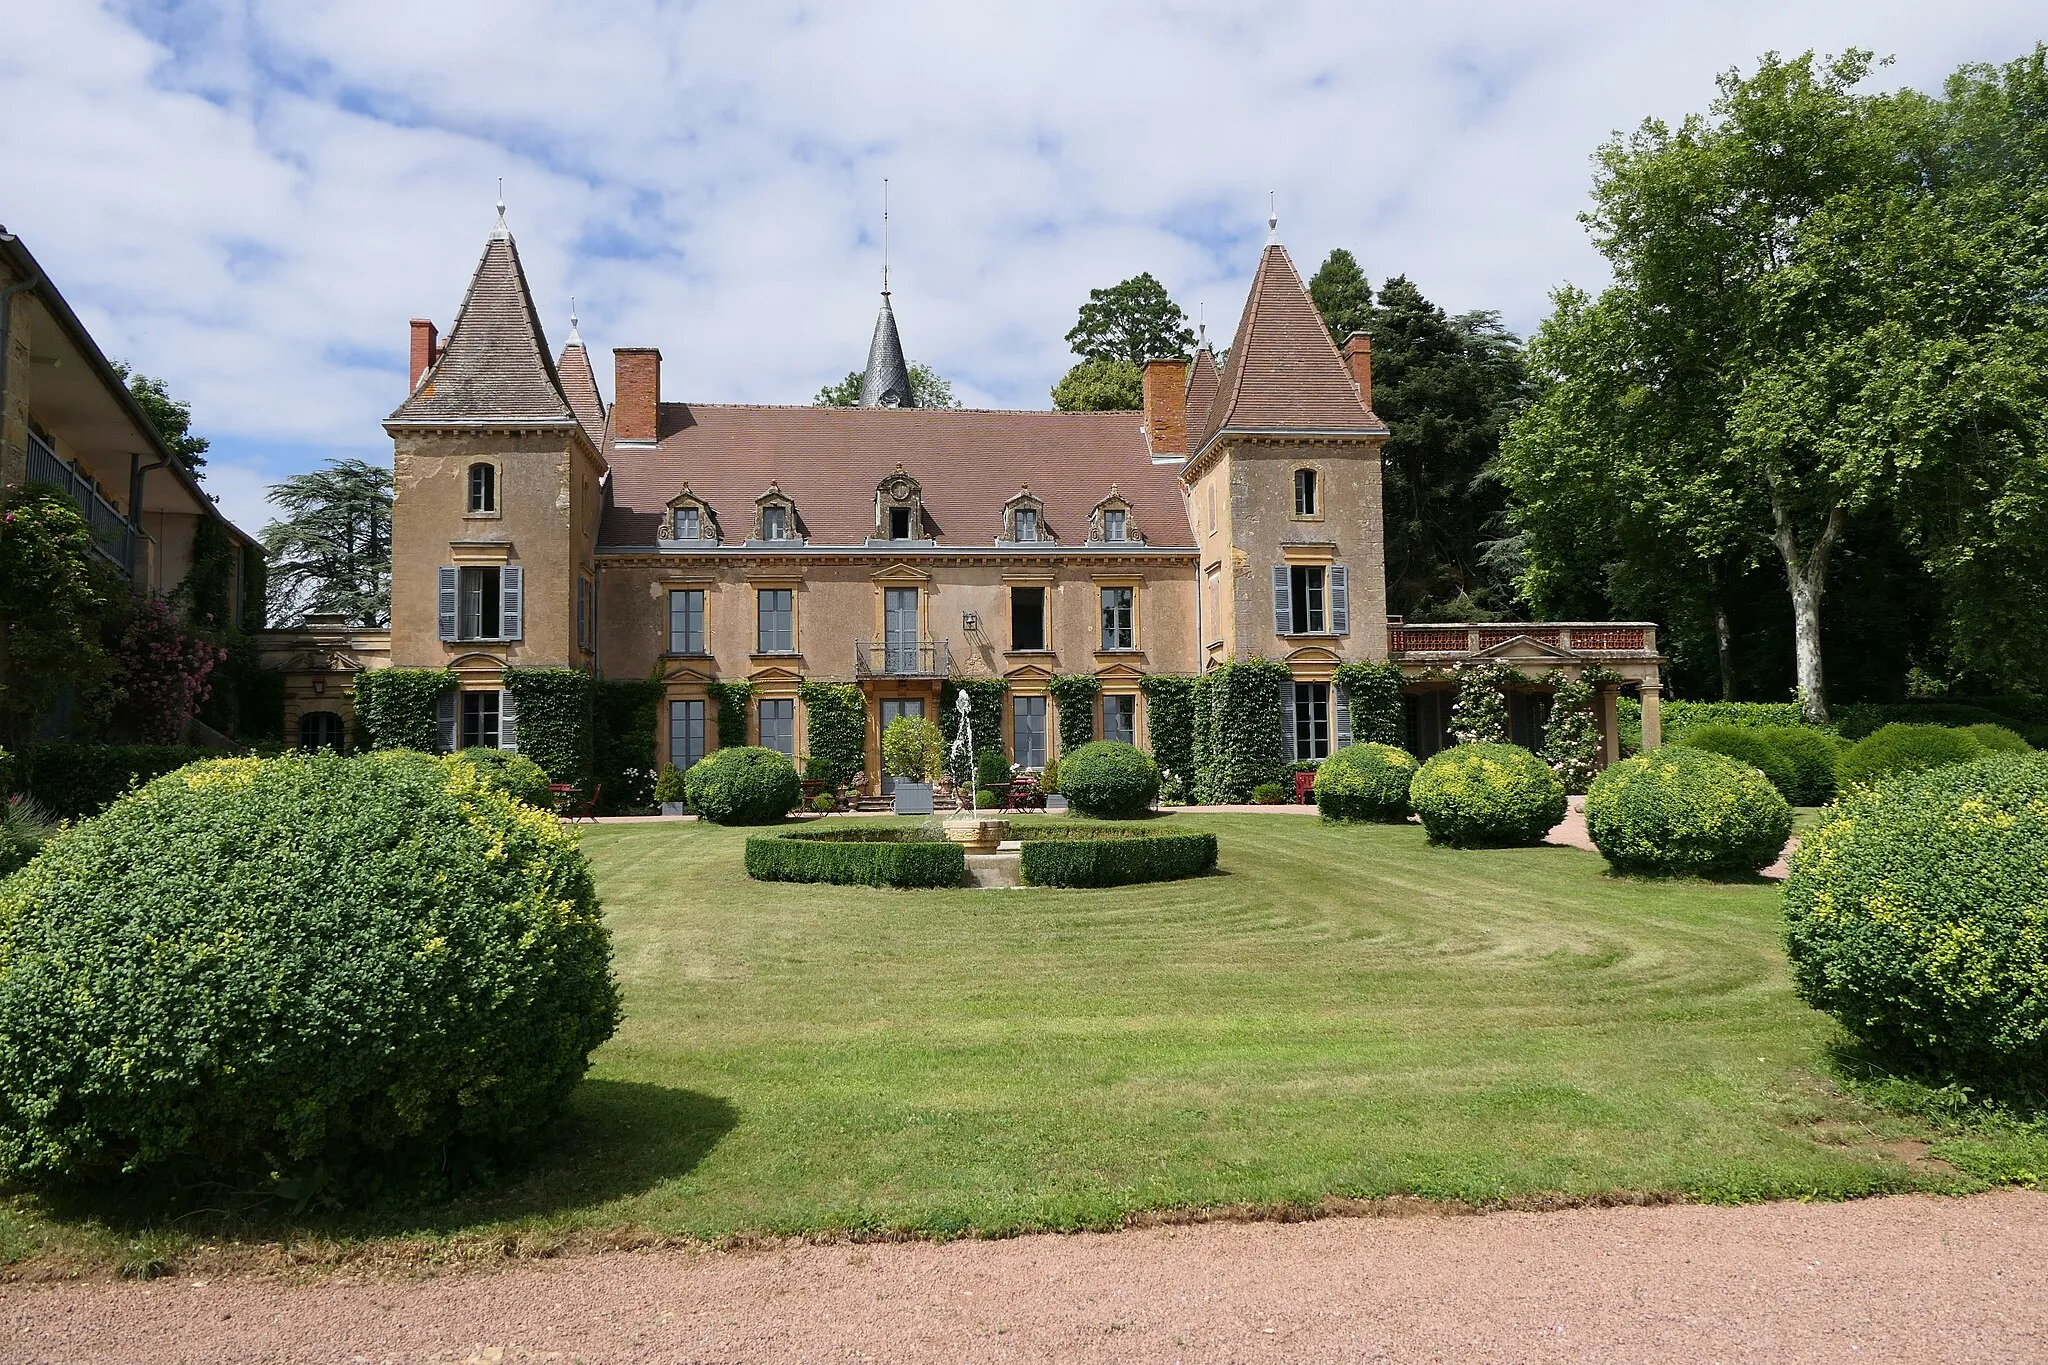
[(969, 827)]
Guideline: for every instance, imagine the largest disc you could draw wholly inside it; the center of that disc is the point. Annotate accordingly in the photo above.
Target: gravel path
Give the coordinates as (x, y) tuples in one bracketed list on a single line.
[(1909, 1278)]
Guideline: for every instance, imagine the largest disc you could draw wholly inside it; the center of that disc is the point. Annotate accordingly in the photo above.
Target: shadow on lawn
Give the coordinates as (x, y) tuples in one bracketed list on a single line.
[(615, 1139)]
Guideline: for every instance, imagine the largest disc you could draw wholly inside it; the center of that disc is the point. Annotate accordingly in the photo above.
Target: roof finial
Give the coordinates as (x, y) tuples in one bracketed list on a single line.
[(885, 236), (1272, 217), (575, 337), (501, 232), (1202, 326)]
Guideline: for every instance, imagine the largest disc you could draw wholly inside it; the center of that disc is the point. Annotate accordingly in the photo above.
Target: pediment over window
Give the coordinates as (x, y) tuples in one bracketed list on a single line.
[(689, 518), (899, 508), (1024, 520), (775, 518), (1113, 521)]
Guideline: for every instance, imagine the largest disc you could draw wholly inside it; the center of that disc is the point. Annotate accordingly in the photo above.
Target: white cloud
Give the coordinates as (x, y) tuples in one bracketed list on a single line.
[(251, 201)]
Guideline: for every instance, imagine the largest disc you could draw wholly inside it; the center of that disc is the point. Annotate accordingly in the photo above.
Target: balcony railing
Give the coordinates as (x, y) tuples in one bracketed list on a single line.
[(902, 659), (1579, 637), (112, 536)]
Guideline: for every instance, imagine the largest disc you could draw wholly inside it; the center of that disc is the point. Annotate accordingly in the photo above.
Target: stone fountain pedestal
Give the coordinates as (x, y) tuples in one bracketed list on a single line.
[(979, 833)]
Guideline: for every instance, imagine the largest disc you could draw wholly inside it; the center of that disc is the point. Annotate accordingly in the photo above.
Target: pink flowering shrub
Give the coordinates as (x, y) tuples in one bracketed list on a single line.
[(164, 672)]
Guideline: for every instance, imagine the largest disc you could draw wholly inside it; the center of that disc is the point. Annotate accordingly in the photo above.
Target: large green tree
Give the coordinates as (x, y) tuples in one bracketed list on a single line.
[(927, 385), (1826, 315), (172, 417), (1101, 386), (331, 551), (1134, 320), (1342, 294)]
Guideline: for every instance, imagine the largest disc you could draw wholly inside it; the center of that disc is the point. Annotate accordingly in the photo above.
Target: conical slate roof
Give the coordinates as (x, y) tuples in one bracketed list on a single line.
[(579, 385), (494, 366), (1202, 380), (887, 381), (1284, 373)]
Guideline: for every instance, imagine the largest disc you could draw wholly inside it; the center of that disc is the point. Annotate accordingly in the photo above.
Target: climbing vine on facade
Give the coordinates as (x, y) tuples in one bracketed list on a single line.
[(986, 698), (1480, 713), (1240, 743), (1170, 725), (1571, 737), (732, 698), (1373, 692), (553, 725), (1074, 694), (837, 717), (399, 708)]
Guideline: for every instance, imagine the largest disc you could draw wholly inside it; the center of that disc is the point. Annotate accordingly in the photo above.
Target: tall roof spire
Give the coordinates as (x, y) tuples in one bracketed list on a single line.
[(1272, 217), (885, 236), (501, 233), (887, 381), (575, 336)]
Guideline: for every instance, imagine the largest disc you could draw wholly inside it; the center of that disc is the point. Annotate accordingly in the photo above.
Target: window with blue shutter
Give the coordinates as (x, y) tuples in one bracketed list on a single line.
[(508, 721), (1283, 601), (444, 719), (448, 579), (511, 602), (1340, 600)]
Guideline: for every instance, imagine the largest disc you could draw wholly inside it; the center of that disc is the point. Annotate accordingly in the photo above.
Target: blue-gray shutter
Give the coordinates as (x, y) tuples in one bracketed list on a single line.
[(1287, 716), (1340, 600), (447, 602), (444, 717), (1283, 608), (508, 721), (1340, 702), (511, 602)]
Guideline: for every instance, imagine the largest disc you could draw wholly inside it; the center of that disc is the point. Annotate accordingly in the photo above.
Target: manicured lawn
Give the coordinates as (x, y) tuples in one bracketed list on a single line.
[(1338, 1011)]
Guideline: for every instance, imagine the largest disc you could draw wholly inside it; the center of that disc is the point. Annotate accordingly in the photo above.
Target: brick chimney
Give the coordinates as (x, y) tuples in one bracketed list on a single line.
[(1358, 359), (424, 342), (1166, 405), (636, 393)]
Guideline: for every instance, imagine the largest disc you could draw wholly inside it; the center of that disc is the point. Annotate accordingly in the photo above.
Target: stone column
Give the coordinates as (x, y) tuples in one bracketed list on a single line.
[(1604, 699), (1653, 715)]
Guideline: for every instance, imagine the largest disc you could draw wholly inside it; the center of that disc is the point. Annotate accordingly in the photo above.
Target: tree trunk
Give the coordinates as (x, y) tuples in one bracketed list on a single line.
[(1806, 577), (1724, 632)]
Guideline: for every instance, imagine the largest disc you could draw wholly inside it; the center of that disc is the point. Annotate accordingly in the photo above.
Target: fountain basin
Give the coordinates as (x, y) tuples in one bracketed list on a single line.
[(978, 833)]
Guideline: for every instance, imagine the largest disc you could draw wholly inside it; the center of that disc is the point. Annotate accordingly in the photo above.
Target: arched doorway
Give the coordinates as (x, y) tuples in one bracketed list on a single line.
[(321, 730)]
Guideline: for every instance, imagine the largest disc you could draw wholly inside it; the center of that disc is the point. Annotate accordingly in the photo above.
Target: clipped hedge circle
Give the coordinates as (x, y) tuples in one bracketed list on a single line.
[(874, 855), (1109, 780), (1474, 795), (1105, 855), (1899, 749), (743, 785), (1913, 916), (1751, 747), (1365, 782), (1680, 811), (261, 965)]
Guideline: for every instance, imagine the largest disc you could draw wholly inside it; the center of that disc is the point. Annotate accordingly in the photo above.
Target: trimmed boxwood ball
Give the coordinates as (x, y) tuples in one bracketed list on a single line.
[(1897, 749), (268, 965), (518, 776), (1812, 754), (1680, 811), (1996, 739), (1913, 915), (1750, 746), (1109, 779), (1487, 794), (1365, 782), (743, 785)]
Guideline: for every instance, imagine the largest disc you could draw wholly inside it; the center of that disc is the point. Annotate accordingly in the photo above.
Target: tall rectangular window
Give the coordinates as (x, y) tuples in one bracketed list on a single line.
[(1027, 618), (777, 632), (1311, 714), (480, 715), (1120, 718), (1026, 520), (1306, 503), (481, 588), (774, 523), (686, 523), (778, 725), (685, 732), (1115, 526), (899, 523), (483, 488), (1027, 731), (1119, 629), (686, 621), (1310, 615)]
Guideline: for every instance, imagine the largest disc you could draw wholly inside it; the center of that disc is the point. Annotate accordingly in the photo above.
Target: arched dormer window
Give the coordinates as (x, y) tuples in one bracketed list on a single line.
[(899, 508), (1112, 523), (775, 519), (689, 519), (1024, 519), (483, 489)]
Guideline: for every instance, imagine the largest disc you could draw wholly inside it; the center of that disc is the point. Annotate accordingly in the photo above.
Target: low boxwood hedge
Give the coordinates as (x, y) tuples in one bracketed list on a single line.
[(76, 780), (1913, 915), (1812, 754), (1474, 795), (1098, 855), (872, 856), (1752, 747), (1684, 811), (1899, 749), (516, 775)]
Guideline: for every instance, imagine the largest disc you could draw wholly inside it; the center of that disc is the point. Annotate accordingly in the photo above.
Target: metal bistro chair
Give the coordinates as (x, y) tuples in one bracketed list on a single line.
[(1304, 786), (1024, 793), (589, 808)]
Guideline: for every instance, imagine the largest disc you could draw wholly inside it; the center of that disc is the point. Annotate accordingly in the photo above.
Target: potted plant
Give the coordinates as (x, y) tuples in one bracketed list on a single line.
[(913, 752), (1049, 783), (669, 790)]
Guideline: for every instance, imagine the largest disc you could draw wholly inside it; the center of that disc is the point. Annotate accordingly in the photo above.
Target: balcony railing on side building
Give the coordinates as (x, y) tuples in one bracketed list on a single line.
[(902, 659), (1469, 637), (112, 535)]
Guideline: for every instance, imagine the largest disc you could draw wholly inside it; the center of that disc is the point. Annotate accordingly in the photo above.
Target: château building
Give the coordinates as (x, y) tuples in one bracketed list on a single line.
[(1237, 515)]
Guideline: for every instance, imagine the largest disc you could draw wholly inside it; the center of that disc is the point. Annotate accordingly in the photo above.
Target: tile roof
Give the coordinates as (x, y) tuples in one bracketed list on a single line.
[(886, 383), (579, 386), (494, 366), (829, 460), (1202, 381), (1284, 373)]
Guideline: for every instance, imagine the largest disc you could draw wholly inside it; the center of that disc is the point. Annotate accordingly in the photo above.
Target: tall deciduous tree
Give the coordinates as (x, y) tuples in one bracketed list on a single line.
[(331, 552), (1134, 321), (172, 417), (927, 385), (1101, 386)]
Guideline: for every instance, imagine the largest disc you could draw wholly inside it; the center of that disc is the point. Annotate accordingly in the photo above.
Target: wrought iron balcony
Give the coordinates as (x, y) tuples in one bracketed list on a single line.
[(902, 659), (112, 536)]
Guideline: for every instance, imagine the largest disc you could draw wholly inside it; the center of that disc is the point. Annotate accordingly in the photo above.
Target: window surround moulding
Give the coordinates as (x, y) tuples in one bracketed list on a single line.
[(1321, 490), (1030, 579), (1308, 553), (473, 552)]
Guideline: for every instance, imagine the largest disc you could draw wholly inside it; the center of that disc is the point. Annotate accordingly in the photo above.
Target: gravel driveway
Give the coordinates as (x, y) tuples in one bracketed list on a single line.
[(1909, 1278)]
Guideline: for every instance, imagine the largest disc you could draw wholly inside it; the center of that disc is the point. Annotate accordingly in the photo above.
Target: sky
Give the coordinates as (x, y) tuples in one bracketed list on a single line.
[(250, 200)]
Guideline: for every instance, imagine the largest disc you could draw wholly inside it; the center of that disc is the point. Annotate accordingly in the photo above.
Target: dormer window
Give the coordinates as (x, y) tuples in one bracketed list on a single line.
[(1025, 526), (688, 523), (775, 523), (899, 523), (1115, 525), (775, 517), (1024, 519), (690, 519), (899, 508), (483, 489), (1111, 522)]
